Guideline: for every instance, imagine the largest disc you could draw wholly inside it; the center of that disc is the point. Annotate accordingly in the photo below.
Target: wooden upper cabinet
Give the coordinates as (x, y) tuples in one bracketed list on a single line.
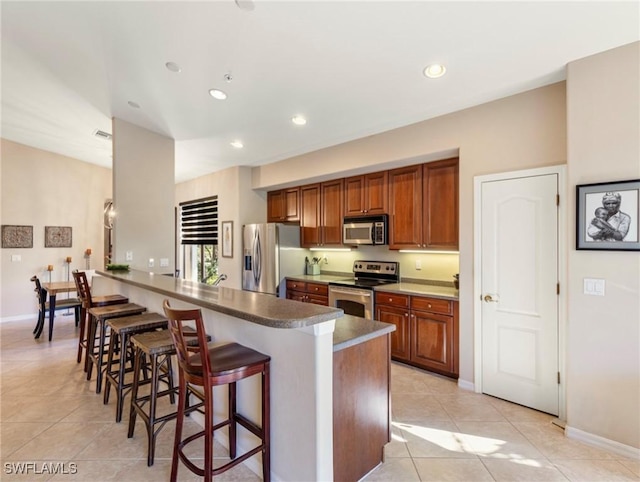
[(405, 207), (310, 234), (331, 212), (321, 214), (283, 205), (367, 194), (440, 204)]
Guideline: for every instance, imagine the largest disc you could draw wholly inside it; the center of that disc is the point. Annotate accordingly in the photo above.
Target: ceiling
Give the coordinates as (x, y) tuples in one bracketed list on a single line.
[(351, 68)]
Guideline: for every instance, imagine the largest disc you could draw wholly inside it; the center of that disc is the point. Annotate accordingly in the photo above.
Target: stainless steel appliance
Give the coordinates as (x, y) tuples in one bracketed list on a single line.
[(365, 230), (355, 295), (270, 252)]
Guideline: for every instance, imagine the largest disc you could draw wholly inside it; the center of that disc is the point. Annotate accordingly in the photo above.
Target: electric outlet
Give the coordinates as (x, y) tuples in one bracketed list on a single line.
[(164, 262), (593, 286), (128, 256), (151, 262), (418, 264), (16, 257)]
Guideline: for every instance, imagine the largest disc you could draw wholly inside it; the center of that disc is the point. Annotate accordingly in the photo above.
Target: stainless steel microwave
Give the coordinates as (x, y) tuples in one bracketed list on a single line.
[(365, 230)]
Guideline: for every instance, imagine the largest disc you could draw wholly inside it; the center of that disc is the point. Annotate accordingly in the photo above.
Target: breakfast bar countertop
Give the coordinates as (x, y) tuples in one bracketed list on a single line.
[(353, 330), (258, 308)]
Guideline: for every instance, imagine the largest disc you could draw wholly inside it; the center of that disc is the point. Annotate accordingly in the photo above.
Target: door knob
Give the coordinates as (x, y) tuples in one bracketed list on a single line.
[(490, 299)]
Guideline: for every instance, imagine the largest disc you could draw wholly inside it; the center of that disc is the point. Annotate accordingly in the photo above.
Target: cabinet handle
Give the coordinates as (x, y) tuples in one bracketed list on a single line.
[(429, 305), (390, 300), (406, 314)]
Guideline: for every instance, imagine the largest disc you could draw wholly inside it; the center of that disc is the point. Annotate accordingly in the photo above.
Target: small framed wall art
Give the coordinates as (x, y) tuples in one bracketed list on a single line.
[(14, 236), (227, 239), (607, 216), (57, 237)]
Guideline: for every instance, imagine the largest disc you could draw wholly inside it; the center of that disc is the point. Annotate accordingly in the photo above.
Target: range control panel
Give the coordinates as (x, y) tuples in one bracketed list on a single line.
[(375, 267)]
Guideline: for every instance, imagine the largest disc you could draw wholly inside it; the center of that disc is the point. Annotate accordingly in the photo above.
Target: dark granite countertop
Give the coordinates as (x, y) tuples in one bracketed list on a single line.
[(258, 308), (353, 330)]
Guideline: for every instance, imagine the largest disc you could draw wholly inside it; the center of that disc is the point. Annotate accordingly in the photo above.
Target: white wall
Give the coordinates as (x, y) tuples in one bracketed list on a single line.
[(143, 196), (603, 380), (41, 189), (518, 132)]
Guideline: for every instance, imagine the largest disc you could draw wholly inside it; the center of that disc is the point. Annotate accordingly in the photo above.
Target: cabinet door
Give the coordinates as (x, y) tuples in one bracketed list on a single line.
[(405, 208), (331, 213), (296, 296), (317, 300), (432, 341), (310, 215), (376, 193), (400, 348), (292, 204), (354, 196), (440, 197), (275, 206)]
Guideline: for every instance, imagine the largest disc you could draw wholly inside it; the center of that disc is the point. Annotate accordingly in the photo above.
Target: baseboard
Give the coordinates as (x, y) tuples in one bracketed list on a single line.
[(603, 443), (465, 385), (32, 316)]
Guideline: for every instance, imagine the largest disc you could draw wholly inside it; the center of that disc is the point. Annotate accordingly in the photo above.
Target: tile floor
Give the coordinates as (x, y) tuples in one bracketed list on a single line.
[(50, 414)]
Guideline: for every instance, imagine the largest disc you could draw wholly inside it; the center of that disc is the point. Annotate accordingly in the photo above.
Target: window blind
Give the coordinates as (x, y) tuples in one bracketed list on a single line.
[(199, 221)]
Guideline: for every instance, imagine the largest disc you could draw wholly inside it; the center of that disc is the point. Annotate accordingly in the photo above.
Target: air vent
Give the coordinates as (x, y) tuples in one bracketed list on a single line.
[(102, 134)]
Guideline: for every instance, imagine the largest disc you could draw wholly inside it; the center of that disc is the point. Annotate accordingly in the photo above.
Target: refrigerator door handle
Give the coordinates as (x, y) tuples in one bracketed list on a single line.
[(257, 257)]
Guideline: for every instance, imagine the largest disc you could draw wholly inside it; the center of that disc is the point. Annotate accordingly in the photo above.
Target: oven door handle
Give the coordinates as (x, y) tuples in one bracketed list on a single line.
[(346, 292)]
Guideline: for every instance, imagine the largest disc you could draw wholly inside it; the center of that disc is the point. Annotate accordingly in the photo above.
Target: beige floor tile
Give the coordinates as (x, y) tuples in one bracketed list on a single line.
[(15, 435), (632, 465), (498, 440), (398, 469), (407, 407), (38, 408), (25, 471), (594, 470), (523, 470), (436, 439), (463, 470), (469, 407), (517, 413)]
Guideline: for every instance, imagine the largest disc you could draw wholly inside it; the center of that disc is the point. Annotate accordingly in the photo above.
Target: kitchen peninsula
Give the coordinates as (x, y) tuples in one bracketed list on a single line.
[(312, 368)]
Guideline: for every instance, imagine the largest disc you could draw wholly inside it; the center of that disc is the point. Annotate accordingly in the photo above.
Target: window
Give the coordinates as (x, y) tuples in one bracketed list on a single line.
[(199, 239)]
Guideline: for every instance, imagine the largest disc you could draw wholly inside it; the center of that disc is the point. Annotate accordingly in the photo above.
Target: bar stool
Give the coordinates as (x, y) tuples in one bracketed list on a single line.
[(89, 301), (208, 367), (157, 348), (98, 317), (116, 368)]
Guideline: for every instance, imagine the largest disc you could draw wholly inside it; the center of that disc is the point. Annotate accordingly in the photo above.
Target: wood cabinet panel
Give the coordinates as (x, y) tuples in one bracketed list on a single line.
[(318, 289), (440, 199), (331, 213), (400, 347), (405, 208), (434, 305), (283, 205), (367, 194), (391, 299), (316, 293), (310, 234), (432, 341)]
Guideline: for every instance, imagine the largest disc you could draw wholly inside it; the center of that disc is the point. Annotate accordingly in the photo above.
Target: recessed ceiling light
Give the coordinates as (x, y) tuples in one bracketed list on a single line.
[(217, 94), (434, 71), (298, 120), (133, 104), (173, 67), (237, 144)]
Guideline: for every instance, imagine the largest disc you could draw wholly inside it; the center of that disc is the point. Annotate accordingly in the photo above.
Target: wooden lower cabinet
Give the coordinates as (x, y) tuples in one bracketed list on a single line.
[(317, 293), (361, 408), (426, 330)]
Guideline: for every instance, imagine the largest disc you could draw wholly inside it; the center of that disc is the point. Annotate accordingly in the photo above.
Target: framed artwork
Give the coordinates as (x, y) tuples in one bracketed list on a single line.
[(607, 216), (227, 239), (17, 236), (57, 237)]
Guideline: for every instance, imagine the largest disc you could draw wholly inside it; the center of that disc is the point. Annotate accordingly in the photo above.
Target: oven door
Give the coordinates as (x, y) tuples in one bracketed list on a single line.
[(353, 301)]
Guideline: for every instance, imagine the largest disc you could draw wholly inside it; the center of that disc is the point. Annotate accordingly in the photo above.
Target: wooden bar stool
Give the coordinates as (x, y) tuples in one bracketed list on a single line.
[(97, 336), (157, 348), (116, 368), (89, 301), (208, 367)]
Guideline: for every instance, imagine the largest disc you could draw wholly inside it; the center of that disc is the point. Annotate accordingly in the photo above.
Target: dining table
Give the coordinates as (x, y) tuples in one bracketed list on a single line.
[(52, 289)]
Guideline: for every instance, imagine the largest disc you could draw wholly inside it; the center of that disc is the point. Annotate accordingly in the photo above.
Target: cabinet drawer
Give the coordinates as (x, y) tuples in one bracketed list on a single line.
[(296, 285), (317, 289), (317, 300), (392, 299), (434, 305)]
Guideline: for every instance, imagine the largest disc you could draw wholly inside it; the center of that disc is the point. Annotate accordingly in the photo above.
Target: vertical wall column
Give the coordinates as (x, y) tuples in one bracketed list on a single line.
[(143, 197)]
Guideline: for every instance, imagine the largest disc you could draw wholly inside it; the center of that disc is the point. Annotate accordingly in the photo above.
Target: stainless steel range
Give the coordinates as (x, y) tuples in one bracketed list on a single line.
[(355, 295)]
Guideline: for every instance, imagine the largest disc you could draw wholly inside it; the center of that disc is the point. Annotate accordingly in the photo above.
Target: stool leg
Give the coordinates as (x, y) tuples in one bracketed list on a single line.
[(91, 345), (107, 384), (151, 433), (208, 433), (233, 427), (266, 424), (182, 393), (122, 368), (99, 371), (134, 392)]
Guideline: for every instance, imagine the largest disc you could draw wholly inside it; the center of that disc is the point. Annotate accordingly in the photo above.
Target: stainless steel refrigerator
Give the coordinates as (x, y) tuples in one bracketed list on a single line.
[(270, 252)]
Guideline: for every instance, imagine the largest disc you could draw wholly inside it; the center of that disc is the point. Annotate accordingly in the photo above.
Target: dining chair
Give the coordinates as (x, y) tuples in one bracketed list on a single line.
[(44, 307)]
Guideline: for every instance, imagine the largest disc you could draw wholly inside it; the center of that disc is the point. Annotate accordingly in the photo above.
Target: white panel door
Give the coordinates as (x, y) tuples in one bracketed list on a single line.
[(519, 291)]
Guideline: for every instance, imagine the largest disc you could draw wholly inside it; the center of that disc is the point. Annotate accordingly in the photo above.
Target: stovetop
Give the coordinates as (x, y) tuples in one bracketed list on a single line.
[(368, 274)]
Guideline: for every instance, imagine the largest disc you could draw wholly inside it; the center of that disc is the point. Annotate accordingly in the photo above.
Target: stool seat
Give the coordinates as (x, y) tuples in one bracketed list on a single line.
[(97, 332), (158, 347), (121, 330)]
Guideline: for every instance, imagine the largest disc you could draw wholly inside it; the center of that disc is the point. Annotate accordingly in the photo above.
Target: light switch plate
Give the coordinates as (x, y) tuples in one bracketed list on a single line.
[(151, 262), (164, 262), (16, 257), (418, 264), (128, 256), (594, 286)]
